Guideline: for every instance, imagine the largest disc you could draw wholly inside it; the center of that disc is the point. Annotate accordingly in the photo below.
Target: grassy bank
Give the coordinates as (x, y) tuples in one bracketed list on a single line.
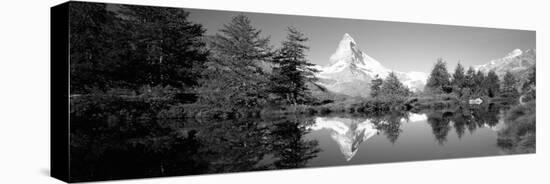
[(104, 106)]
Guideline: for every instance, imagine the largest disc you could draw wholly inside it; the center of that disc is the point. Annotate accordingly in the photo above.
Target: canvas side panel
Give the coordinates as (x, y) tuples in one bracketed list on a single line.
[(59, 92)]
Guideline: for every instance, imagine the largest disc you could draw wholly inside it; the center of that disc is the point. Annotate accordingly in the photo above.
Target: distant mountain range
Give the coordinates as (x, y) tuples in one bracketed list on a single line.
[(517, 62), (351, 70)]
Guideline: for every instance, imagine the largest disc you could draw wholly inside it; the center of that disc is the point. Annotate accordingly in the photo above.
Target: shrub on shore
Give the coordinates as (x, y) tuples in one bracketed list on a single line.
[(433, 101), (519, 136)]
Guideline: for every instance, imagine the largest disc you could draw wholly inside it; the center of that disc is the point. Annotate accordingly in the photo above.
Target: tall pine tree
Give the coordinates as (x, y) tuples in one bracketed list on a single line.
[(91, 39), (492, 84), (509, 86), (393, 88), (234, 78), (293, 71), (165, 48), (469, 82), (242, 42), (479, 79), (459, 79), (439, 79)]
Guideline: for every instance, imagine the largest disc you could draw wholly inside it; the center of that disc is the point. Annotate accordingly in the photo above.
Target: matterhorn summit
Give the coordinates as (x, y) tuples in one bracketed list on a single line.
[(351, 70), (348, 55)]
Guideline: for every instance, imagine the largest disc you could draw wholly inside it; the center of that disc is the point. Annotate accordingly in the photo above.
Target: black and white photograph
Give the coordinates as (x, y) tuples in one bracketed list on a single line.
[(160, 91), (274, 92)]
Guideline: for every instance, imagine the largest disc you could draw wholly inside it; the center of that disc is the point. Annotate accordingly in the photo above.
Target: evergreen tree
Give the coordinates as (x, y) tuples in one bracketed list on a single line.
[(509, 86), (458, 76), (240, 41), (392, 87), (479, 79), (166, 48), (439, 79), (133, 46), (376, 83), (91, 39), (492, 84), (469, 83), (294, 71), (469, 79), (234, 78), (459, 79)]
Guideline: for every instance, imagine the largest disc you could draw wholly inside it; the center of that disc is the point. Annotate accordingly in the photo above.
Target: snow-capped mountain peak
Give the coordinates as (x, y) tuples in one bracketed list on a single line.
[(351, 70), (515, 61), (347, 38), (348, 53), (344, 49), (514, 53)]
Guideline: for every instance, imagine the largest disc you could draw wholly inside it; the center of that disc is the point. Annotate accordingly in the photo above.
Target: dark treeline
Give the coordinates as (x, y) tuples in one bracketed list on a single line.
[(133, 48), (389, 88), (515, 91), (474, 84), (157, 54), (471, 87)]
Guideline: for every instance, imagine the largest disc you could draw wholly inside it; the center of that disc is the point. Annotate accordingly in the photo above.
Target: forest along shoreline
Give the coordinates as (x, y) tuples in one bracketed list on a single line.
[(120, 76)]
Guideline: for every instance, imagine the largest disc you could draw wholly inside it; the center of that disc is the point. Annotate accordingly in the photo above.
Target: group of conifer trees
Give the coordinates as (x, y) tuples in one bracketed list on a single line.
[(389, 88), (464, 83), (137, 48), (132, 47), (472, 83)]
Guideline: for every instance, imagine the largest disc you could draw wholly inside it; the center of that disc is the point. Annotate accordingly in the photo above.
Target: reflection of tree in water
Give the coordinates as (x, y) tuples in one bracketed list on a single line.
[(233, 145), (390, 124), (487, 115), (461, 122), (462, 118), (130, 143), (130, 148), (240, 145), (289, 147), (439, 120)]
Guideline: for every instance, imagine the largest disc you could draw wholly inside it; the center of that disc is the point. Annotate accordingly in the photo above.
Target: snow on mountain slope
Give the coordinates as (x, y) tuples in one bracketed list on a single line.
[(516, 62), (348, 54), (351, 70), (348, 133)]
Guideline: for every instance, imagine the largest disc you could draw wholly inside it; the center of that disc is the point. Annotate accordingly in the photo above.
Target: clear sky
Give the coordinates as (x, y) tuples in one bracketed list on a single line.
[(398, 46)]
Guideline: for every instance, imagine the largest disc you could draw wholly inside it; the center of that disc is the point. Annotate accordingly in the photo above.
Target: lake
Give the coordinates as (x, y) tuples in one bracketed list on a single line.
[(150, 147)]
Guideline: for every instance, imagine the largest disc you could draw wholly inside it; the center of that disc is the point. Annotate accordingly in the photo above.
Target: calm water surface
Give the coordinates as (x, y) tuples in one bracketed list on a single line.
[(187, 147), (359, 141)]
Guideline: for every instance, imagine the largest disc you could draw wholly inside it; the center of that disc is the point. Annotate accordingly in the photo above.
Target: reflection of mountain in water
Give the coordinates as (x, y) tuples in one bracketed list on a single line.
[(103, 147), (348, 133)]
